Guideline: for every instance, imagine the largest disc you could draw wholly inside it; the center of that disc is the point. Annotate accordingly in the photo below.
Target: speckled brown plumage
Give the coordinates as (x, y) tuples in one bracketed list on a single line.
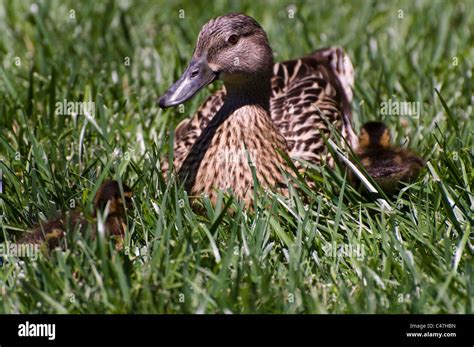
[(221, 157), (300, 101)]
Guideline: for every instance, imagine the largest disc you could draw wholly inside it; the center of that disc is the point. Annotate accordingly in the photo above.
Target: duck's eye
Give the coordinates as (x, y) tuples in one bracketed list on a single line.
[(232, 39)]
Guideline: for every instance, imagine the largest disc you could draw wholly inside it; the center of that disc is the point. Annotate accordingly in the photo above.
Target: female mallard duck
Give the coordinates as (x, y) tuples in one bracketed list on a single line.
[(108, 196), (388, 165), (262, 109)]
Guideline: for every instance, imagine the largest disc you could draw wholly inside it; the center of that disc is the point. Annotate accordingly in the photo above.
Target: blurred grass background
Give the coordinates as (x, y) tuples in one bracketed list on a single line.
[(123, 54)]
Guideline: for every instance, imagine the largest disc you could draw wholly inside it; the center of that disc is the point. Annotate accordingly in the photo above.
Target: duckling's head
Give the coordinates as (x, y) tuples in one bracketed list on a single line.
[(374, 135), (233, 48), (109, 193)]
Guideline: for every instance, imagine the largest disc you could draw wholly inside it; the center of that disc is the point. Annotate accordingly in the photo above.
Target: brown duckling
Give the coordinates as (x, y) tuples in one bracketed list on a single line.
[(109, 194), (388, 165), (108, 197)]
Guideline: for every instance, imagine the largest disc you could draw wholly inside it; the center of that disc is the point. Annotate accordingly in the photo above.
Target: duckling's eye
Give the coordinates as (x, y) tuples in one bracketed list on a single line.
[(233, 39)]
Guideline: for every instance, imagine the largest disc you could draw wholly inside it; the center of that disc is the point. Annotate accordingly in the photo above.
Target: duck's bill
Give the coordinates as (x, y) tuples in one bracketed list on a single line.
[(197, 76)]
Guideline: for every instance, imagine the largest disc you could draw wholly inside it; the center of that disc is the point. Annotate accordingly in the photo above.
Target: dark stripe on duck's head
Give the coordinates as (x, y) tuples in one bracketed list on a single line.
[(374, 134), (233, 48)]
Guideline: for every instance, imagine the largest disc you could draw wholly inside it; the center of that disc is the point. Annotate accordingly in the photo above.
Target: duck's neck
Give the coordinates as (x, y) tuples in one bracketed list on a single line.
[(256, 92)]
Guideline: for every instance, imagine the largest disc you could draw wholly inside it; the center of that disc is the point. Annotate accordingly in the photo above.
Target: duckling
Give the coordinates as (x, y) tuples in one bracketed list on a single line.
[(108, 198), (109, 195), (388, 165), (262, 108)]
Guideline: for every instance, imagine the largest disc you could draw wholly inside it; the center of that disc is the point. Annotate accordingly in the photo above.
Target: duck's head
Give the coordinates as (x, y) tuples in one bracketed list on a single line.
[(110, 194), (374, 135), (233, 48)]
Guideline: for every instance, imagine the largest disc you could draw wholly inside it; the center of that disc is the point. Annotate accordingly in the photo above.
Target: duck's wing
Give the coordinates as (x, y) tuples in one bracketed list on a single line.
[(341, 65), (310, 96)]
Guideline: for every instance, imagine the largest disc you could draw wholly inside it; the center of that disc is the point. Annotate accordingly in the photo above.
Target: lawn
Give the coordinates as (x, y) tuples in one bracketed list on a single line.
[(324, 250)]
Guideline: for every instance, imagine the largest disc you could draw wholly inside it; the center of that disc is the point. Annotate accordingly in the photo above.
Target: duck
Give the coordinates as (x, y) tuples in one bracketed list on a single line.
[(108, 199), (263, 110), (390, 166)]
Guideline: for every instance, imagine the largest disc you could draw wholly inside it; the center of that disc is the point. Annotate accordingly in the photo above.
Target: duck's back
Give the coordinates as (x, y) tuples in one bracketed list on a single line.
[(310, 95), (389, 167)]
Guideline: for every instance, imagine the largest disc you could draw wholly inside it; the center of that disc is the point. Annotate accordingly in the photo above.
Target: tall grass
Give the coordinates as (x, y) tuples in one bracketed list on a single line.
[(324, 250)]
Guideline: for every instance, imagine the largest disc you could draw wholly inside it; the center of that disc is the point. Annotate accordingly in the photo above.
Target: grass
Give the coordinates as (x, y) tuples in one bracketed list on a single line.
[(416, 258)]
